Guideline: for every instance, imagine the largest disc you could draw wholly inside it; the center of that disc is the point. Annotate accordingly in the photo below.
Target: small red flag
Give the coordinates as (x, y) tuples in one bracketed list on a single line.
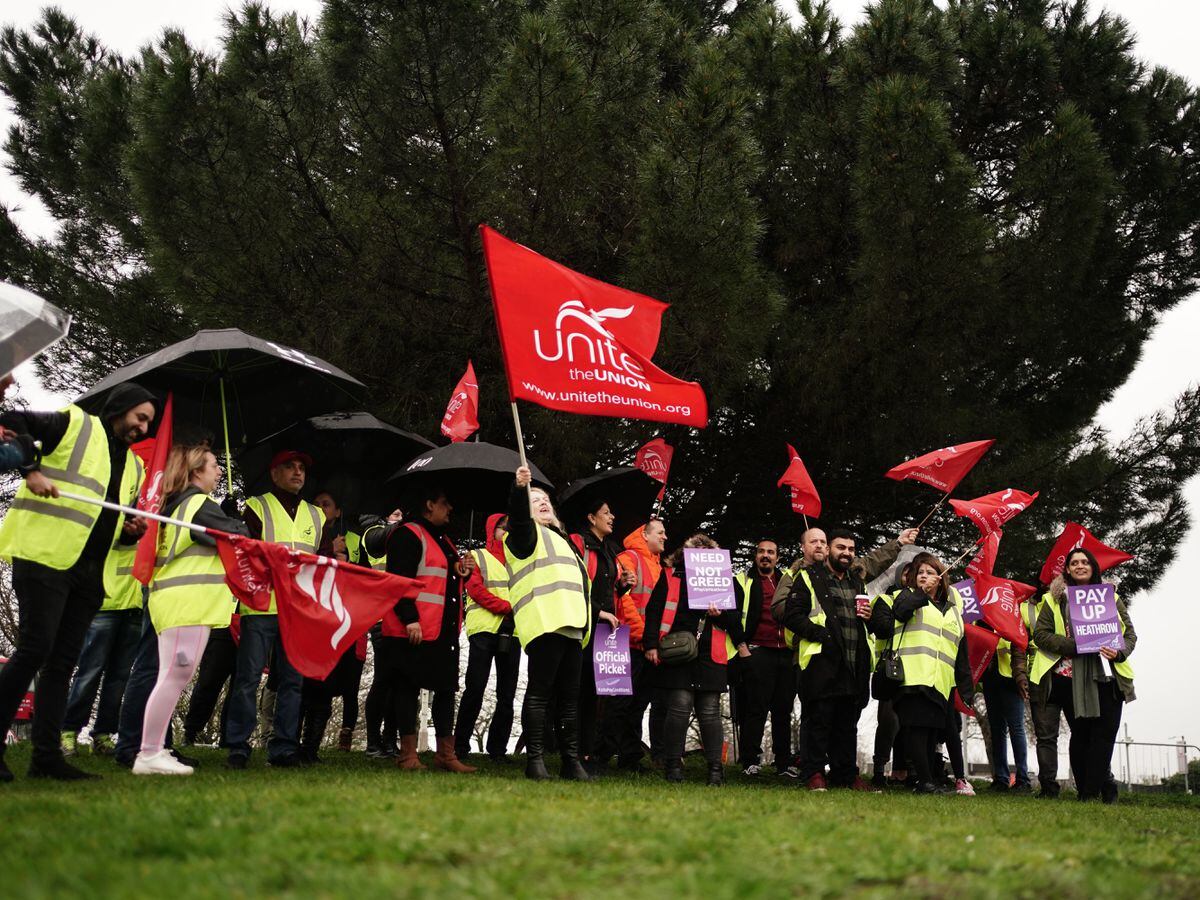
[(324, 605), (151, 497), (981, 647), (990, 512), (942, 469), (1075, 537), (1000, 601), (654, 458), (579, 345), (462, 412), (805, 499), (985, 560)]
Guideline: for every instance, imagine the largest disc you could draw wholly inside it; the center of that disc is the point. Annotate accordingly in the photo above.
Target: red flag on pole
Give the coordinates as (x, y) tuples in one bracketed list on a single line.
[(981, 647), (1074, 537), (990, 512), (462, 412), (151, 496), (579, 345), (805, 500), (1000, 601), (985, 560), (942, 469), (654, 458), (324, 605)]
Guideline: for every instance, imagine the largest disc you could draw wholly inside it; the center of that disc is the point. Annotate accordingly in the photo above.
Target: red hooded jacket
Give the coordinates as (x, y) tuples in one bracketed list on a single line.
[(475, 587)]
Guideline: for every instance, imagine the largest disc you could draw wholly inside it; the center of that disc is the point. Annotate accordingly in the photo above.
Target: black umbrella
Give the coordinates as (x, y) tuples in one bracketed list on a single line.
[(630, 494), (474, 474), (235, 384), (353, 454)]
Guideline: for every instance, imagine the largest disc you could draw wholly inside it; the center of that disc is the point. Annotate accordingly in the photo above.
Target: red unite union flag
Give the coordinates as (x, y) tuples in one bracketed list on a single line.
[(942, 469), (1076, 537), (654, 458), (1000, 601), (805, 499), (990, 512), (462, 412)]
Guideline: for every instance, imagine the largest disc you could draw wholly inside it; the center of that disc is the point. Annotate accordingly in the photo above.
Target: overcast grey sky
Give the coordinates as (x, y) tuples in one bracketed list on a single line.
[(1167, 618)]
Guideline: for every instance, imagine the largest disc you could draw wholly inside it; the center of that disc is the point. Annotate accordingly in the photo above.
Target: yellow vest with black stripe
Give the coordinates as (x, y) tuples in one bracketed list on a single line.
[(495, 579), (549, 589), (121, 589), (1044, 661), (928, 645), (808, 649), (301, 533), (188, 587), (53, 531)]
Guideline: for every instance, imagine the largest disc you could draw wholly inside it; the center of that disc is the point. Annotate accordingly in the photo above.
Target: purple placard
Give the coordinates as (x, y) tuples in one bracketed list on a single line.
[(709, 575), (1094, 617), (612, 661), (966, 589)]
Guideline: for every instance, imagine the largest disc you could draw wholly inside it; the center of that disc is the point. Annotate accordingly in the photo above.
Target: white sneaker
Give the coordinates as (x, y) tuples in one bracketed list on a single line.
[(963, 788), (752, 769), (160, 763)]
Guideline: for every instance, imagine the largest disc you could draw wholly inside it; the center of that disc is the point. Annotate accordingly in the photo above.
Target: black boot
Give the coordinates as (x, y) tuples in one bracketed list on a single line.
[(314, 732), (568, 745), (59, 770), (716, 775), (673, 769), (534, 728)]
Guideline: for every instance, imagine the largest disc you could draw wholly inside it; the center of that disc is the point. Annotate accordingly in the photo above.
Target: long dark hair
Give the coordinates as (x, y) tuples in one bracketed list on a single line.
[(1091, 560)]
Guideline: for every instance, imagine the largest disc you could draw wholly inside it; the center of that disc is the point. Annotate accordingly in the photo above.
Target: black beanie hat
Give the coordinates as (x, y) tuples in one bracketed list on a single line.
[(125, 397)]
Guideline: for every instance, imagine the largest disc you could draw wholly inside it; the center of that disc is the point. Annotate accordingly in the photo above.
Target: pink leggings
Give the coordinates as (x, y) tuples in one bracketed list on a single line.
[(179, 652)]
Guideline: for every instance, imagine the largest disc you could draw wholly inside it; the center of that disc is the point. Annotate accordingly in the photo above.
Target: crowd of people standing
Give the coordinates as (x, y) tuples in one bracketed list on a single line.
[(808, 631)]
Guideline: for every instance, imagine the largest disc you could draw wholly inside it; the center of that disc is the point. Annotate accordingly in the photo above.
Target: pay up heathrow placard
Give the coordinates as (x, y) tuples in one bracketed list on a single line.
[(709, 576), (1094, 617)]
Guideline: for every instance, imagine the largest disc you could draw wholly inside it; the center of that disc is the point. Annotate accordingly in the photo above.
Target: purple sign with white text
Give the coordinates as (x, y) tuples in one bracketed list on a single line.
[(709, 576), (612, 661), (1094, 617), (971, 611)]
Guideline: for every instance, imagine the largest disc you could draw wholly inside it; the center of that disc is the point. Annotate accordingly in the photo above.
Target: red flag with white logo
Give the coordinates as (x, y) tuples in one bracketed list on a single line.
[(805, 500), (1000, 602), (654, 458), (462, 412), (981, 647), (942, 469), (324, 605), (1076, 537), (985, 560), (151, 496), (990, 512), (579, 345)]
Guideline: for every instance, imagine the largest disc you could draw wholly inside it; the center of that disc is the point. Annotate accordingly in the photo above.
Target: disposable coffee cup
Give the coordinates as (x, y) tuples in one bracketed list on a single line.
[(862, 605)]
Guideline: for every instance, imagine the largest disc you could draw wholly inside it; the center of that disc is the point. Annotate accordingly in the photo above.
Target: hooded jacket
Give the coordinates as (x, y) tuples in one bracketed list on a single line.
[(475, 586), (627, 559)]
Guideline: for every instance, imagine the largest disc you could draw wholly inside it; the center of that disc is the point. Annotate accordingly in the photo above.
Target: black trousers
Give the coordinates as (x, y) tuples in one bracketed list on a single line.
[(349, 691), (589, 703), (408, 709), (54, 610), (888, 740), (218, 665), (553, 682), (921, 745), (380, 708), (1093, 740), (831, 732), (769, 688), (620, 727), (679, 705), (483, 651)]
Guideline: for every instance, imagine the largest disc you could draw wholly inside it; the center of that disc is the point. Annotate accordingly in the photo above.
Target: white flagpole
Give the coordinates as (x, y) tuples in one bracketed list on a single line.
[(145, 514)]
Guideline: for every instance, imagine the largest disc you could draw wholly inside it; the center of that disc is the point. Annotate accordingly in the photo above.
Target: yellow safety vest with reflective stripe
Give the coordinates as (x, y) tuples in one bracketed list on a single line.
[(121, 589), (188, 587), (53, 531), (889, 600), (808, 649), (495, 579), (549, 589), (301, 533), (353, 542), (1004, 657), (1044, 661), (745, 579), (378, 563), (928, 645)]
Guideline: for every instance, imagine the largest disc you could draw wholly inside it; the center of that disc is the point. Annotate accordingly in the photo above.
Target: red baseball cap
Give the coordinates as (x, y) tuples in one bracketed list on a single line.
[(286, 456)]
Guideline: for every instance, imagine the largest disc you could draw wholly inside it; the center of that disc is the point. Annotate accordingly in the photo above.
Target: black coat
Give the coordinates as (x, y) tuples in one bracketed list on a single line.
[(701, 674), (829, 673)]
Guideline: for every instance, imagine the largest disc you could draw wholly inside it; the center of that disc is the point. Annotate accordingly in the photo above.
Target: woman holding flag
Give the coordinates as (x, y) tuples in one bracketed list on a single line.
[(188, 595)]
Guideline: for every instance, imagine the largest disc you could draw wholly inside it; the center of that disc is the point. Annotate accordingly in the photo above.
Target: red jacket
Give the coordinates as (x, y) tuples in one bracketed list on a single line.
[(475, 587)]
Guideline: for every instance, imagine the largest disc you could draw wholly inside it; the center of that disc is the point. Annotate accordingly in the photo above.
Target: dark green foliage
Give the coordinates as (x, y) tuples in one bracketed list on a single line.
[(941, 225)]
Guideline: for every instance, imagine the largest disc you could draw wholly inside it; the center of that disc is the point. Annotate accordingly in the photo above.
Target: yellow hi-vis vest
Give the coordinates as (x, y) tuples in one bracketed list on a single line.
[(378, 563), (495, 579), (300, 533), (353, 542), (121, 589), (928, 646), (53, 532), (889, 600), (188, 587), (549, 589), (1044, 661), (1004, 657), (745, 579), (809, 649), (1032, 610)]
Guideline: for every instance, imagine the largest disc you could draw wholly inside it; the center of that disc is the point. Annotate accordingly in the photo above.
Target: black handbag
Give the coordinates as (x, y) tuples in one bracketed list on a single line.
[(889, 671), (680, 647)]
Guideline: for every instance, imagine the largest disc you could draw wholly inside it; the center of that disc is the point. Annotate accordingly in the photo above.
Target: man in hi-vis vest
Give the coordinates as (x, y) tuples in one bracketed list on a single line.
[(58, 548), (280, 516)]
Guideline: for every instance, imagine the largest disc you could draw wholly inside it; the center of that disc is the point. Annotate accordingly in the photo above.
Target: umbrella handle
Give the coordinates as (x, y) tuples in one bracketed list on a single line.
[(225, 428)]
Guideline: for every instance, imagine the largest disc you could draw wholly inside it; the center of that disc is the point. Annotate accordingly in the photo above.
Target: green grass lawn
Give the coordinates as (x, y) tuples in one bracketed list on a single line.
[(356, 827)]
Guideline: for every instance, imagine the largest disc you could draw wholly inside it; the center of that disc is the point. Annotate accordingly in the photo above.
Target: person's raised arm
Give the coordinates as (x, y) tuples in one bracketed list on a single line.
[(522, 532)]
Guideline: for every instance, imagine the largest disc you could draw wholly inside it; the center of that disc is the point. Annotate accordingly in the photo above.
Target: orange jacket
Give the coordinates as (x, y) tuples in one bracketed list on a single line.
[(627, 611)]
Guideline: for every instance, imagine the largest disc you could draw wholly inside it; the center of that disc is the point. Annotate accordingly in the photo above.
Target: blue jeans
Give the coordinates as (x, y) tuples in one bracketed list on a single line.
[(142, 678), (1006, 716), (260, 635), (108, 651)]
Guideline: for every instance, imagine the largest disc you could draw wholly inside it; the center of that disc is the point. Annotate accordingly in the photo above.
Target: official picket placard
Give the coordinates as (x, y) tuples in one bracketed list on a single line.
[(612, 661), (1094, 617), (709, 576), (966, 589)]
